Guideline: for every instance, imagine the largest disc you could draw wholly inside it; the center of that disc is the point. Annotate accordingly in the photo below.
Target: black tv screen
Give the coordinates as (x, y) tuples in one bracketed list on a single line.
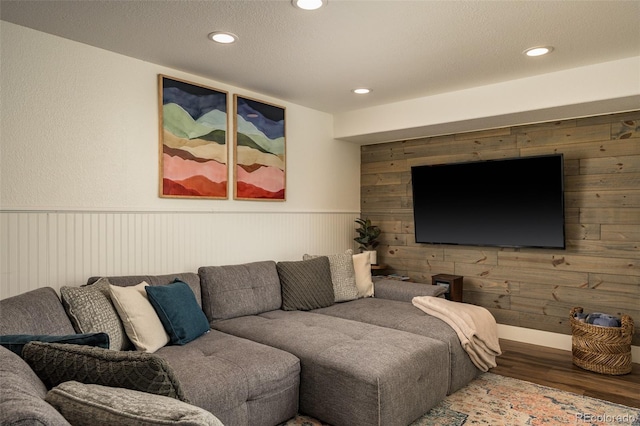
[(516, 202)]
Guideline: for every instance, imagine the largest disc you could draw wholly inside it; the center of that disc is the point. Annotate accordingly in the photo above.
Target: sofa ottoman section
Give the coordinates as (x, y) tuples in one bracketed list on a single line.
[(406, 317), (353, 373), (239, 381)]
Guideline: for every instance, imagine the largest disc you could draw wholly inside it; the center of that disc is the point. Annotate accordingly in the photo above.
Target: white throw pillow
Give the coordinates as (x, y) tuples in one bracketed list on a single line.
[(140, 320), (362, 266)]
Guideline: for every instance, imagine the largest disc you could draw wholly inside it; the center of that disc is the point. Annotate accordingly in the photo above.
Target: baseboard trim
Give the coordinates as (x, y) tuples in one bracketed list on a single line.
[(546, 338)]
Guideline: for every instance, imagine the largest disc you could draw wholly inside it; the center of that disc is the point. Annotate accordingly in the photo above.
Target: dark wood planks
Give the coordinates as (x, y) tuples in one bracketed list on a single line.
[(554, 368)]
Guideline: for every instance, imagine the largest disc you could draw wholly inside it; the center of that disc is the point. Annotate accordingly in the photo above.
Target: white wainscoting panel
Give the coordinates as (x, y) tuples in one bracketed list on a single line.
[(54, 248)]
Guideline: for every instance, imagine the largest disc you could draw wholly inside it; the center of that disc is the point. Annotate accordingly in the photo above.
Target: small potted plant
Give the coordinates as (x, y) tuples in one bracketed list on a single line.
[(368, 238)]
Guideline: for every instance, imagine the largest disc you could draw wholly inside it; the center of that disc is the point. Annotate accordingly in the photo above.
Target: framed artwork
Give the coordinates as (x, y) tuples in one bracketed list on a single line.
[(259, 166), (193, 140)]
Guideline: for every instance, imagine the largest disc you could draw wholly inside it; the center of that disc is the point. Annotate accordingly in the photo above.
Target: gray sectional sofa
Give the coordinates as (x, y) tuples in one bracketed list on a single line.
[(369, 361)]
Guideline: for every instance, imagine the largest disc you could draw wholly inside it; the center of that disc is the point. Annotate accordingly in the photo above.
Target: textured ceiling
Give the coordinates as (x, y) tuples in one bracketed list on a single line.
[(400, 49)]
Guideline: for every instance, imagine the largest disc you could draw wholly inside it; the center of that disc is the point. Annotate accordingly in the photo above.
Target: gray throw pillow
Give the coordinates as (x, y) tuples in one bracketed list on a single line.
[(343, 275), (306, 284), (86, 404), (91, 311), (56, 363)]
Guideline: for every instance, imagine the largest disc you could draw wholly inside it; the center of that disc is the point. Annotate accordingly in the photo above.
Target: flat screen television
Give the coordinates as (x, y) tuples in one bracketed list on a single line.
[(517, 202)]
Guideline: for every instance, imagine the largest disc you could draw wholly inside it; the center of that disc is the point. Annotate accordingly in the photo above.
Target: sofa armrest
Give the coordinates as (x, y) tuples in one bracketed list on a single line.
[(22, 395), (404, 291), (37, 311)]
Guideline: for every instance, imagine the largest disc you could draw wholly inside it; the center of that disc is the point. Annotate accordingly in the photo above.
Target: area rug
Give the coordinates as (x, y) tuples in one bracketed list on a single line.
[(496, 400)]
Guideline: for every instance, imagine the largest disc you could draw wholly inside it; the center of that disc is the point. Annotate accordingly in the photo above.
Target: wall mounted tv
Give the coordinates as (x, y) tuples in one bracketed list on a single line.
[(517, 202)]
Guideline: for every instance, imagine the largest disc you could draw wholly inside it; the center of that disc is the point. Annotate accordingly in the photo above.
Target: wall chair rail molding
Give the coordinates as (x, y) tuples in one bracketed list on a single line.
[(193, 140), (56, 248)]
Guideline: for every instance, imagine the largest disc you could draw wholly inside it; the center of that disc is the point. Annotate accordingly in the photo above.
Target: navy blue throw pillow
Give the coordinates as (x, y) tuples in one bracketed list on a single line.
[(15, 342), (179, 312)]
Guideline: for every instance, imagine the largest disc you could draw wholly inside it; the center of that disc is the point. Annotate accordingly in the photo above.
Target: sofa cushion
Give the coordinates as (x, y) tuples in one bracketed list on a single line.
[(239, 381), (23, 314), (178, 311), (343, 275), (22, 401), (91, 311), (306, 284), (362, 266), (236, 290), (56, 363), (16, 342), (101, 405), (140, 320)]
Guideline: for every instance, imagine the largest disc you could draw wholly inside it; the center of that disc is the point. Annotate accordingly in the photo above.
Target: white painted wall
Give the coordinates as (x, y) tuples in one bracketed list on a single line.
[(79, 131), (79, 175)]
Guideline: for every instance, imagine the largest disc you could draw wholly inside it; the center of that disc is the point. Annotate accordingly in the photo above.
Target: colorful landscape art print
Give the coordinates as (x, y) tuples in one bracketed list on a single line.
[(193, 140), (259, 151)]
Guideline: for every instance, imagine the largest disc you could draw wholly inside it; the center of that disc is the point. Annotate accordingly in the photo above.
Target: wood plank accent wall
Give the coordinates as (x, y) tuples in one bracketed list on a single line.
[(532, 288)]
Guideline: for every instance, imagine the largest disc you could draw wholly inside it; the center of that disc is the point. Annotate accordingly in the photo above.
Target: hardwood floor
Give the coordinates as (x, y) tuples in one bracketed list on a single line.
[(554, 368)]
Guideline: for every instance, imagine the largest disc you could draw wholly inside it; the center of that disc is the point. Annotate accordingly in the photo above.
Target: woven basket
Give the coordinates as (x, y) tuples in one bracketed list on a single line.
[(605, 350)]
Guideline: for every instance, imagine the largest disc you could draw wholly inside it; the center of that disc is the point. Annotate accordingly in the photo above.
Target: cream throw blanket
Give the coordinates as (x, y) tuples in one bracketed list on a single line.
[(475, 326)]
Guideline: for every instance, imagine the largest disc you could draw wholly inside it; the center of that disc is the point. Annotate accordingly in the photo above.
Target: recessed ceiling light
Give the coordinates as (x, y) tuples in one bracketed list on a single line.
[(309, 4), (223, 37), (361, 91), (538, 51)]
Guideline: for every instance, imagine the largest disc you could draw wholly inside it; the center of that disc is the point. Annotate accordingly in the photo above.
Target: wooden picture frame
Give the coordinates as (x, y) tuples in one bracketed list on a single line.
[(259, 156), (194, 152)]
